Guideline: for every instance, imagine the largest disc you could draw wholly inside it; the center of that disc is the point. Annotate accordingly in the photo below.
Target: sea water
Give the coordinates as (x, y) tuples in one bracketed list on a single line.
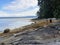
[(12, 23)]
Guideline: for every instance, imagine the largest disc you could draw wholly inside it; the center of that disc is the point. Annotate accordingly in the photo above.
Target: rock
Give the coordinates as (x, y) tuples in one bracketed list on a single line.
[(2, 43), (38, 36)]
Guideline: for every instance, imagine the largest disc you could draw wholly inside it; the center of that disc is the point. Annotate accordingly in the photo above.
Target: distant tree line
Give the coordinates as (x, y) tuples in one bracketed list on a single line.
[(48, 9)]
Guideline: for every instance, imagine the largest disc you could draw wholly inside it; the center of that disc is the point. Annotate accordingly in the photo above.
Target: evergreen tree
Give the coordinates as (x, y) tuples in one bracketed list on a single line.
[(49, 9)]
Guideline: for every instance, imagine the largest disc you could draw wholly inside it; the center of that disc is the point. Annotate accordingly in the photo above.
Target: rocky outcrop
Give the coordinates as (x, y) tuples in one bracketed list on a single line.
[(39, 36)]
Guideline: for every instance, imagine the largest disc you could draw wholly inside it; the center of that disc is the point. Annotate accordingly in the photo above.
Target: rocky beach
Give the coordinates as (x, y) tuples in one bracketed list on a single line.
[(40, 35)]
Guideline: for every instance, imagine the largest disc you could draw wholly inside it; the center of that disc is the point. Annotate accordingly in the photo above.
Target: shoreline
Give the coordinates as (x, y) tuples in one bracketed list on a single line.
[(36, 24), (28, 28), (41, 35), (13, 23)]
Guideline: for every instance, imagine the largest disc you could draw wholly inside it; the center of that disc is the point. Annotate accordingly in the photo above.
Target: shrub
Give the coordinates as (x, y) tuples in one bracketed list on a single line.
[(6, 30)]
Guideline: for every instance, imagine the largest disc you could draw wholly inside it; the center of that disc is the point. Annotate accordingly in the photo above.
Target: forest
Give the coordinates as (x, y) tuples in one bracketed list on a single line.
[(48, 9)]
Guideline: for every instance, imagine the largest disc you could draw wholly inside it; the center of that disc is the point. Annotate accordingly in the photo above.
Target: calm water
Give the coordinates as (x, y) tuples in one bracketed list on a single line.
[(13, 23)]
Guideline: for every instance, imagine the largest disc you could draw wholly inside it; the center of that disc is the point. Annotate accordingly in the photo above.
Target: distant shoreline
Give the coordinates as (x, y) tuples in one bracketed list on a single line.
[(19, 17)]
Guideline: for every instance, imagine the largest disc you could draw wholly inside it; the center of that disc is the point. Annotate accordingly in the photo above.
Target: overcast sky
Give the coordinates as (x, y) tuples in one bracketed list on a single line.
[(16, 8)]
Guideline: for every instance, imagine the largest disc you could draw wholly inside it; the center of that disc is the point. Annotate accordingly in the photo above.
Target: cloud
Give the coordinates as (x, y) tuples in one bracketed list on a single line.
[(26, 13), (20, 5), (17, 14), (3, 14), (18, 8)]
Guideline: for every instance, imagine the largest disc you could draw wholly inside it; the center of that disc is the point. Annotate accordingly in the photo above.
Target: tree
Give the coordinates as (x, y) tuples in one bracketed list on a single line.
[(49, 9)]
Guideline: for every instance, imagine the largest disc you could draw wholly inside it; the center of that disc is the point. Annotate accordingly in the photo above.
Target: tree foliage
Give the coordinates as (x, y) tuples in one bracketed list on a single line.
[(49, 9)]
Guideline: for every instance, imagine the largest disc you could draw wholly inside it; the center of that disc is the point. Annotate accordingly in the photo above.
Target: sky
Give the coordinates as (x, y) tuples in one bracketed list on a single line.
[(16, 8)]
